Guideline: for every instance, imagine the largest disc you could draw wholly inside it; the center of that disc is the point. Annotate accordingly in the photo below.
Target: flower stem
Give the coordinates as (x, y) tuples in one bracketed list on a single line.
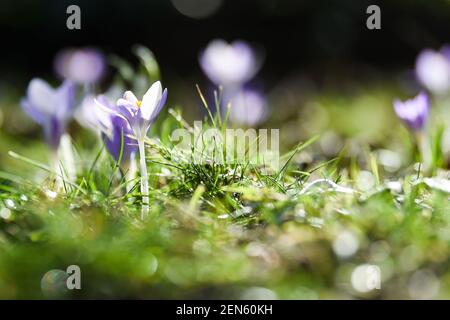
[(144, 179), (67, 156), (54, 161), (424, 147)]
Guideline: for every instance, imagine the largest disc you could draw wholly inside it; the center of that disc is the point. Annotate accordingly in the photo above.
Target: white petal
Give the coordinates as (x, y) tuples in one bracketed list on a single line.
[(106, 109), (130, 97), (83, 114), (99, 116), (42, 97), (102, 118), (126, 103), (151, 100)]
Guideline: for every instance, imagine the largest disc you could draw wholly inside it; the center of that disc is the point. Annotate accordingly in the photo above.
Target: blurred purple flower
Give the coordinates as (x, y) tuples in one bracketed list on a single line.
[(110, 126), (84, 66), (51, 108), (229, 64), (433, 70), (248, 107), (445, 50), (90, 116), (414, 112)]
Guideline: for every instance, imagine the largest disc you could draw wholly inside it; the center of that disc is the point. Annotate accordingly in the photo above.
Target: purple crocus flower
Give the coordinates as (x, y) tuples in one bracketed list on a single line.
[(229, 64), (111, 127), (120, 130), (51, 108), (248, 107), (140, 114), (414, 112), (83, 66), (433, 70)]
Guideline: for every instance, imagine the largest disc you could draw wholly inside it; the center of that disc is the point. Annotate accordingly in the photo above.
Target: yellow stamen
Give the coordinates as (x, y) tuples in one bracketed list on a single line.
[(138, 103)]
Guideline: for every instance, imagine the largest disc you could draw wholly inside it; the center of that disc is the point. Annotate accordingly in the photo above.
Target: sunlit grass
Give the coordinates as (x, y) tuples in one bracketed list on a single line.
[(226, 231)]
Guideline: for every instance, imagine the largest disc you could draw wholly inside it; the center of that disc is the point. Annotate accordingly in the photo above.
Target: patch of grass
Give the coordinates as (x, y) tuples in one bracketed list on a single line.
[(225, 230)]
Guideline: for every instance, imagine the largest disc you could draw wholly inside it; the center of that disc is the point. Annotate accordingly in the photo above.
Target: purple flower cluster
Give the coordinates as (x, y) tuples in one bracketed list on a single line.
[(433, 73), (229, 64), (414, 112), (122, 126), (83, 66), (433, 70), (51, 108), (232, 66), (128, 120), (116, 133)]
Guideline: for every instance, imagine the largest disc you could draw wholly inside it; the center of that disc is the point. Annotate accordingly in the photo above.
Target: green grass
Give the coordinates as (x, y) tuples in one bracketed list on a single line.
[(226, 230), (233, 230)]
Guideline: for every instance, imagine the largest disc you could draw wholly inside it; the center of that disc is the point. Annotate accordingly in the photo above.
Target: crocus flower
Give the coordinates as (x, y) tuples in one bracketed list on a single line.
[(247, 107), (112, 128), (120, 131), (414, 112), (140, 114), (51, 108), (433, 70), (229, 64), (84, 66), (90, 116)]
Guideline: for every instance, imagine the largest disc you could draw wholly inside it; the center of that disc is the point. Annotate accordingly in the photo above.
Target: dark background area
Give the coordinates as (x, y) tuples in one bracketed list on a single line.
[(313, 37)]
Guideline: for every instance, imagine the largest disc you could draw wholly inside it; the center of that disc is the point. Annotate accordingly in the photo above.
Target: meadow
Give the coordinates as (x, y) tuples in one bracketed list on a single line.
[(358, 206)]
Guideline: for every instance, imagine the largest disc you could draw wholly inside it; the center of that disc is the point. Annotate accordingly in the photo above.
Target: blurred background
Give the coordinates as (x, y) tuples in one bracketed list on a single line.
[(322, 70), (311, 37)]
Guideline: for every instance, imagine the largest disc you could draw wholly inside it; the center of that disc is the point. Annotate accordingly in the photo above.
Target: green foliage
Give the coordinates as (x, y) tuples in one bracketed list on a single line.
[(233, 230), (222, 230)]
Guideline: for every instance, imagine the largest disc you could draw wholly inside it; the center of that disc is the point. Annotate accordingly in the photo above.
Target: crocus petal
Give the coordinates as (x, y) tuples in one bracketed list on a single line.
[(65, 97), (120, 110), (120, 130), (51, 108), (105, 106), (127, 104), (53, 130), (413, 112), (433, 71), (130, 97), (89, 115), (85, 65), (42, 97), (161, 104), (33, 113), (105, 101), (84, 113), (151, 100), (445, 50), (126, 113), (248, 107), (126, 108)]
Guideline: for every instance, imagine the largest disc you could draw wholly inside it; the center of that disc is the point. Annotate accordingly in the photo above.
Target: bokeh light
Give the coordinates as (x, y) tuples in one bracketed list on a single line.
[(54, 284), (197, 9)]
